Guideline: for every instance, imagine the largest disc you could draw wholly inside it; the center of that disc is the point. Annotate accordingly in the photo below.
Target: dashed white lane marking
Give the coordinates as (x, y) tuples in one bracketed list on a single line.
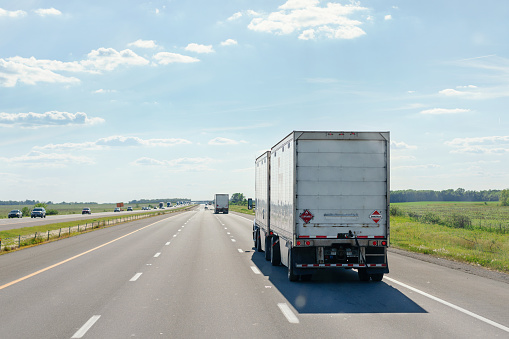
[(167, 243), (233, 240), (136, 276), (81, 332), (175, 236), (255, 270), (227, 232), (157, 254), (290, 316), (240, 251), (467, 312)]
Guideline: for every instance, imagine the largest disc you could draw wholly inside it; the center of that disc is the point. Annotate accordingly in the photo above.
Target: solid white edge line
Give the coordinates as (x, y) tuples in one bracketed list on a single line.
[(467, 312), (81, 332), (136, 276), (287, 312), (255, 270)]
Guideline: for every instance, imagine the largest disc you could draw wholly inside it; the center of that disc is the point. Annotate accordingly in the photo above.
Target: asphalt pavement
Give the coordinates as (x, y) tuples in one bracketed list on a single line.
[(195, 274)]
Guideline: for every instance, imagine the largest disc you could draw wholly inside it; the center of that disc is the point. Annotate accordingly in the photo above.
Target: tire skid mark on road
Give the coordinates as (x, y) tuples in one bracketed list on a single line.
[(446, 303)]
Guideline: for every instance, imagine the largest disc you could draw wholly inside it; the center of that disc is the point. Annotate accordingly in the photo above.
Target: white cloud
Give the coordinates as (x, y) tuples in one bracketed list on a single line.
[(177, 165), (47, 11), (165, 58), (388, 17), (310, 20), (143, 44), (235, 16), (107, 59), (424, 166), (52, 118), (480, 145), (116, 141), (12, 14), (441, 111), (12, 72), (400, 145), (220, 141), (31, 70), (103, 91), (192, 47), (40, 159), (229, 42)]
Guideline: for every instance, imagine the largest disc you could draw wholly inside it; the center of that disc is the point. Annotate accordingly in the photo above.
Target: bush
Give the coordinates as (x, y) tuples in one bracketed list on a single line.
[(26, 211), (458, 221), (51, 212), (396, 212)]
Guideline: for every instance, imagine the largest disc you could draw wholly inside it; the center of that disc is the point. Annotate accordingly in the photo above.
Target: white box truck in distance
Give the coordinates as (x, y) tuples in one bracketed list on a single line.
[(221, 203), (329, 203)]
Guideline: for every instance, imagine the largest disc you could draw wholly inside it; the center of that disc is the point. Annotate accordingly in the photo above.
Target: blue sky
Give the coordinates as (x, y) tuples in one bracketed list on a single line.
[(111, 101)]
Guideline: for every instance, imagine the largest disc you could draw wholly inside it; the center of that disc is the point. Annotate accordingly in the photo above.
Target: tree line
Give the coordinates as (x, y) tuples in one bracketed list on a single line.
[(459, 194)]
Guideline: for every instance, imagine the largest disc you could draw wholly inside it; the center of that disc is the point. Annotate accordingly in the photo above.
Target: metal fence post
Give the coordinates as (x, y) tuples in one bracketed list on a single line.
[(48, 235)]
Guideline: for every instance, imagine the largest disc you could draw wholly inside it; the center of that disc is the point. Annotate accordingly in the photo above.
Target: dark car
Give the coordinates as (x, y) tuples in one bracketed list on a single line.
[(15, 214), (86, 210), (38, 212)]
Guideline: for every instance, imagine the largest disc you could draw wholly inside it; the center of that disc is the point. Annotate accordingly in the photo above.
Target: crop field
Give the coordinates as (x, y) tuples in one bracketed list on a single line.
[(472, 232), (489, 216)]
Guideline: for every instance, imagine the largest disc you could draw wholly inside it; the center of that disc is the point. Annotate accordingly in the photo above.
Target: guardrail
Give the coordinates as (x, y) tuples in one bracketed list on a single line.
[(8, 244)]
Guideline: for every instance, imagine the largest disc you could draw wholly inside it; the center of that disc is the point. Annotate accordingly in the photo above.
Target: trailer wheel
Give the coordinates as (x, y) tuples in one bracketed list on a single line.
[(258, 242), (363, 275), (268, 244), (291, 270), (377, 277), (275, 253)]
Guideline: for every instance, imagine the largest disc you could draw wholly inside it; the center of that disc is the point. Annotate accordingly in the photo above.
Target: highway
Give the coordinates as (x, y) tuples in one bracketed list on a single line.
[(14, 223), (196, 275)]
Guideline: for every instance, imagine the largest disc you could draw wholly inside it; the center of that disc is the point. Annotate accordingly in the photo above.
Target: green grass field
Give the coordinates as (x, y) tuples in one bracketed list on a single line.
[(480, 237)]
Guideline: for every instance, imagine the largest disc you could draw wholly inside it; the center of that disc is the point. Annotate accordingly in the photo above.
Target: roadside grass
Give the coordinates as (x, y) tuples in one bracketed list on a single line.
[(241, 209), (474, 246)]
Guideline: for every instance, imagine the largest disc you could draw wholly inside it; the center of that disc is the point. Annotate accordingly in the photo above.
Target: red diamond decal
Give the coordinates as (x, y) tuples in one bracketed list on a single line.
[(376, 216), (306, 216)]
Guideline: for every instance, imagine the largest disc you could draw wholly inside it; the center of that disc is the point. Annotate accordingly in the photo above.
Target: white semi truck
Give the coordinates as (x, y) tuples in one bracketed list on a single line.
[(328, 203), (221, 203)]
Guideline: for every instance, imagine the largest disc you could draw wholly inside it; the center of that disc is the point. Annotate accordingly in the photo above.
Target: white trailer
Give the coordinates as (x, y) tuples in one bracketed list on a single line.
[(261, 224), (221, 203), (329, 203)]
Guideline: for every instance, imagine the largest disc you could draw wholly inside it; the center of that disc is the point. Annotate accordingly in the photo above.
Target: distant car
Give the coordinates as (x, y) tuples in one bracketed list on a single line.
[(38, 212), (117, 209), (206, 207), (15, 214), (129, 208), (86, 210)]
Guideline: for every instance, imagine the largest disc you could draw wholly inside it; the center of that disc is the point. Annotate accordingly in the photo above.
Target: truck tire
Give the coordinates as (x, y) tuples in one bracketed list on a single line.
[(377, 277), (268, 244), (275, 253), (258, 242), (291, 270), (363, 275)]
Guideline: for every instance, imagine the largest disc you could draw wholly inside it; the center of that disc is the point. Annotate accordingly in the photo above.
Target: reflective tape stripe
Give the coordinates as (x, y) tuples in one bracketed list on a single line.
[(340, 265)]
